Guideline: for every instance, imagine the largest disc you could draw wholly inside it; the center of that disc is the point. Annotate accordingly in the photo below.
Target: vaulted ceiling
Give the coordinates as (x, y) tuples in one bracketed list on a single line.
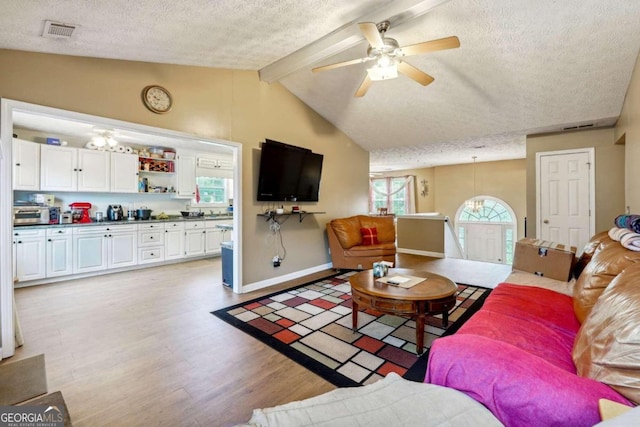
[(523, 66)]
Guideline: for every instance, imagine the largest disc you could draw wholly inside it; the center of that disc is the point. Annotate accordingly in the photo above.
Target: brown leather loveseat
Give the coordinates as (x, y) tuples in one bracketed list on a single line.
[(350, 250)]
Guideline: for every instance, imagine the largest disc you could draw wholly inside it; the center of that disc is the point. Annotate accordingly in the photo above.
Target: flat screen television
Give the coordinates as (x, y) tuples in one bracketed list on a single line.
[(288, 173)]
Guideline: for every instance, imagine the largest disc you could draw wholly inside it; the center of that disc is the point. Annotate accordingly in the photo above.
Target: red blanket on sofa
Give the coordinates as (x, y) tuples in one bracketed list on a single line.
[(514, 356)]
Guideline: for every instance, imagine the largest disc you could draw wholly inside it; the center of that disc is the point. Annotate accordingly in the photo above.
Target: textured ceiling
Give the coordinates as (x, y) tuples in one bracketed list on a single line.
[(523, 67)]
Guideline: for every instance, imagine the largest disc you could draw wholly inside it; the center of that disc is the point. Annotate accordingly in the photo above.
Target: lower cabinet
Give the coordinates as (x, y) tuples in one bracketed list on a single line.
[(194, 238), (30, 253), (173, 240), (150, 243), (99, 248), (61, 251), (59, 248), (213, 238)]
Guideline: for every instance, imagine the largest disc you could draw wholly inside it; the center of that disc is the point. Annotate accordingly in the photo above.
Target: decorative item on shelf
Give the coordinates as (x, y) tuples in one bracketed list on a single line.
[(475, 204)]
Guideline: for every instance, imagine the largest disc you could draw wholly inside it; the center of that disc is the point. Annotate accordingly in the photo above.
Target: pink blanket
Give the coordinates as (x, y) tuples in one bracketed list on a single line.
[(514, 356)]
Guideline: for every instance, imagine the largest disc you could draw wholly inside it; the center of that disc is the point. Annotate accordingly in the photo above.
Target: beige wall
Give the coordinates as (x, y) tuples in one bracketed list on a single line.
[(609, 171), (450, 186), (629, 126), (216, 103), (504, 180)]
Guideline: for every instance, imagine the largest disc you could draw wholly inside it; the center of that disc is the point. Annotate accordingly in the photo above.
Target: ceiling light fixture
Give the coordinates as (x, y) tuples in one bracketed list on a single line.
[(474, 203), (104, 137), (385, 68)]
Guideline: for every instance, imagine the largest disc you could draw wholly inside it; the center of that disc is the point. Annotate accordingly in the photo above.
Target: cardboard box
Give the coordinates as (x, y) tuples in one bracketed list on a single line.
[(544, 258)]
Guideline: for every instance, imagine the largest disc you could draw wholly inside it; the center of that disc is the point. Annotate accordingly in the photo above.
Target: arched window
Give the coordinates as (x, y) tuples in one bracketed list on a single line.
[(494, 216)]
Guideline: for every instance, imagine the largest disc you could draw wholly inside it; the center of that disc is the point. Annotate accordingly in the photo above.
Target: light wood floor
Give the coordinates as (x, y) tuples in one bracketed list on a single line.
[(141, 348)]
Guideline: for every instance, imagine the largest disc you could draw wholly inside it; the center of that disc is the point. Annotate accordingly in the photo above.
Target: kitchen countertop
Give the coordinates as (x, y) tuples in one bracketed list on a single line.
[(172, 218)]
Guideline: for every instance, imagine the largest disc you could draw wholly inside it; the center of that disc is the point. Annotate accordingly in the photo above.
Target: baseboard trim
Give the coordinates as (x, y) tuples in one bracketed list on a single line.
[(279, 279), (423, 253)]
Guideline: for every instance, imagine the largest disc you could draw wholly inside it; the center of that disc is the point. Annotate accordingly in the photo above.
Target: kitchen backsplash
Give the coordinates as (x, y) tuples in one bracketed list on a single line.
[(100, 201)]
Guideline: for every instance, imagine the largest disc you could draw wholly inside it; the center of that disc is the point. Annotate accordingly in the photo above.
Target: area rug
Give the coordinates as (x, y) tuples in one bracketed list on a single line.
[(311, 324)]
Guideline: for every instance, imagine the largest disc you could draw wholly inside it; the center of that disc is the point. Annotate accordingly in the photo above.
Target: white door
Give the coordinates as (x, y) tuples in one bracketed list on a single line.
[(58, 168), (565, 197), (485, 242), (93, 170), (26, 165), (124, 173)]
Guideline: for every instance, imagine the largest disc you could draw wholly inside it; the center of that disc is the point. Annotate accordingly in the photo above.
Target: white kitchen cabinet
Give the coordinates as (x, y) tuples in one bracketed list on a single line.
[(73, 169), (150, 243), (103, 247), (59, 252), (124, 173), (174, 240), (194, 241), (186, 173), (30, 254), (26, 165), (213, 238)]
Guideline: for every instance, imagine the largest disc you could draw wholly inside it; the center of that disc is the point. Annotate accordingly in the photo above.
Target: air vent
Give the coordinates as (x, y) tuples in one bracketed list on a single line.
[(590, 125), (57, 30)]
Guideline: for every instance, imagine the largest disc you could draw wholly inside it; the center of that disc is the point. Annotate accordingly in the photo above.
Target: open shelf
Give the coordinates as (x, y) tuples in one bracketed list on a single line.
[(273, 216)]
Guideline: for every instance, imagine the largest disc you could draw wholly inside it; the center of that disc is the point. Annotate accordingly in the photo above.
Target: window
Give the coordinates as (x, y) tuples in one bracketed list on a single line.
[(214, 190), (214, 180), (393, 193)]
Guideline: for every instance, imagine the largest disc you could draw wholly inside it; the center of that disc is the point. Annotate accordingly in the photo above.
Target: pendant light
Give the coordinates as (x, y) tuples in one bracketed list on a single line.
[(474, 203)]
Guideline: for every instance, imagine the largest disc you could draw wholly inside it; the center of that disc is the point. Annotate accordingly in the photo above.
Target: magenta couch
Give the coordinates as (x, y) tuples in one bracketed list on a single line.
[(515, 357)]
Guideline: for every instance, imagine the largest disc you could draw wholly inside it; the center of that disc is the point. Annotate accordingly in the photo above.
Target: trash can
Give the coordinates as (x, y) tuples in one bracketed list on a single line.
[(227, 263)]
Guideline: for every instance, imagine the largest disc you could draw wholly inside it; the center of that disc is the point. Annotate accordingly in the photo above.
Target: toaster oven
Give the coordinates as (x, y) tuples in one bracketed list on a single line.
[(30, 215)]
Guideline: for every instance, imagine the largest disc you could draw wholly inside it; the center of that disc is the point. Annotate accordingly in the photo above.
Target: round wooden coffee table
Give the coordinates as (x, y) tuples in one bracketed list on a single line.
[(435, 295)]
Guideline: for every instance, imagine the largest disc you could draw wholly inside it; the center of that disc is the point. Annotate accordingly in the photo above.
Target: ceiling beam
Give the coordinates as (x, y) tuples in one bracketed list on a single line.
[(397, 12)]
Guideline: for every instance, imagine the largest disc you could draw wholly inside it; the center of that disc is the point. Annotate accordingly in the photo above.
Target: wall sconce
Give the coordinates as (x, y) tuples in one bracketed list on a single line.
[(424, 188)]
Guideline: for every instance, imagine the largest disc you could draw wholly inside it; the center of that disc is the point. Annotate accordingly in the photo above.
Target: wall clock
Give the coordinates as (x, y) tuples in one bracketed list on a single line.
[(157, 99)]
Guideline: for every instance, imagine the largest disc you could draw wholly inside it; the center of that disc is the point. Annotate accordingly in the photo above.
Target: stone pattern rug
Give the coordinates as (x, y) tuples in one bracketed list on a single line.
[(311, 324)]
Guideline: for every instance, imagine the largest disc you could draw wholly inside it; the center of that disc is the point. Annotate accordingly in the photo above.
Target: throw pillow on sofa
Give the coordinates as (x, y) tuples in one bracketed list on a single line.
[(607, 347), (369, 236)]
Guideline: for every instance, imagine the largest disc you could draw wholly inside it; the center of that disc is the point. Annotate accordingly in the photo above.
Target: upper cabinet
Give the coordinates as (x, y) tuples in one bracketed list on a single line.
[(26, 165), (186, 171), (74, 169), (124, 173)]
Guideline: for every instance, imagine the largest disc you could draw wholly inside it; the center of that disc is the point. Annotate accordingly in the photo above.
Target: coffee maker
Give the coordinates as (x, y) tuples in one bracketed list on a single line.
[(115, 213)]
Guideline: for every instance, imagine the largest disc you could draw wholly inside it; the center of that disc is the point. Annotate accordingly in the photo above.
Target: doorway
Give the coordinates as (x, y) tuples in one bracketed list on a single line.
[(9, 110), (487, 234), (565, 201)]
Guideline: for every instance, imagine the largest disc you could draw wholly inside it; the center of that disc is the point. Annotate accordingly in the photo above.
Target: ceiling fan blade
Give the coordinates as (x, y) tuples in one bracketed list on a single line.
[(340, 64), (371, 33), (431, 46), (415, 74), (364, 87)]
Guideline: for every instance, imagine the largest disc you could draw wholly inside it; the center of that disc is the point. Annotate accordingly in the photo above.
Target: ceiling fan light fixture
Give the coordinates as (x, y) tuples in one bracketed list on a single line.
[(385, 68)]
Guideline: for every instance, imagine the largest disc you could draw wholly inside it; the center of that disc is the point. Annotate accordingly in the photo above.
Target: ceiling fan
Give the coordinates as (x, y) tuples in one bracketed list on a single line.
[(388, 56)]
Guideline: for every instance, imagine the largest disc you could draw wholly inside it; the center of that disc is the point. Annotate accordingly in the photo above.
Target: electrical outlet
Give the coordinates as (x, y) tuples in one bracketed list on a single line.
[(276, 261)]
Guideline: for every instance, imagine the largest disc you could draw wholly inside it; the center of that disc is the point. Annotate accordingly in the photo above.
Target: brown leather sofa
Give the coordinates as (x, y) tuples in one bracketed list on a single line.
[(536, 356), (346, 242)]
